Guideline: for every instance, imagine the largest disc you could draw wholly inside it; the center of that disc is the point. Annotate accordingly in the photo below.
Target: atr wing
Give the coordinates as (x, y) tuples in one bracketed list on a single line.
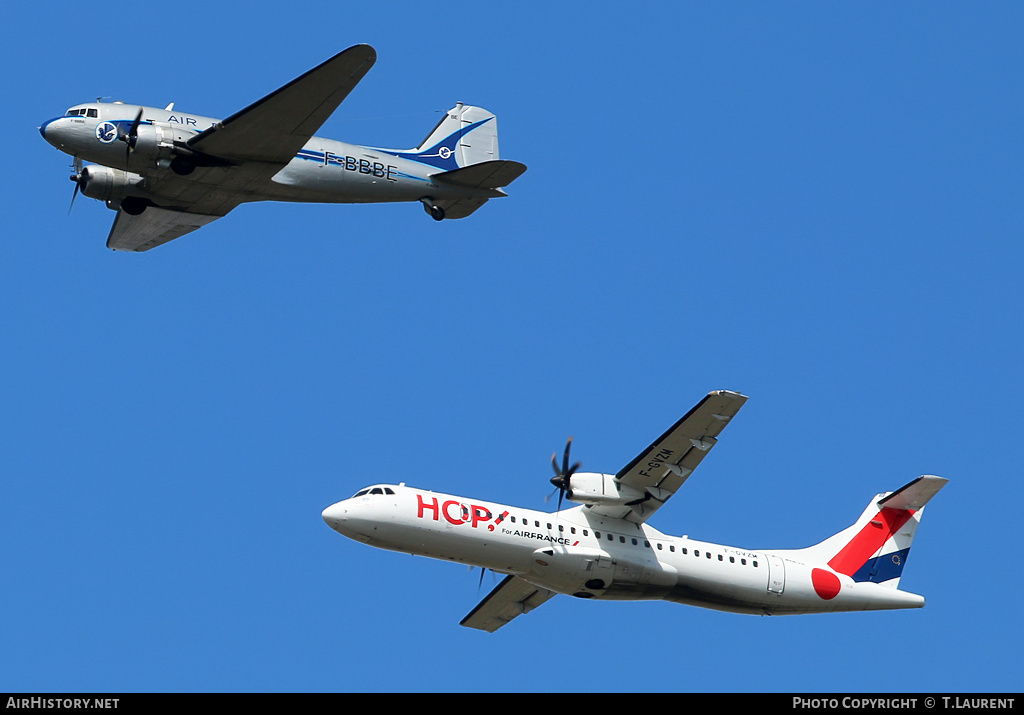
[(510, 598), (153, 227), (275, 128), (663, 467)]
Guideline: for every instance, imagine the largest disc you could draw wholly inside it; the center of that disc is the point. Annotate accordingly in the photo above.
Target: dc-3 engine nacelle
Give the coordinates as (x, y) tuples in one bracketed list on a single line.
[(602, 489), (156, 144), (110, 185)]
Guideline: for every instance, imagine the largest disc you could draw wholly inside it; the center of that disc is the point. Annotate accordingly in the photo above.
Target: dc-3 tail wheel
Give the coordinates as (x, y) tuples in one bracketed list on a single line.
[(435, 211)]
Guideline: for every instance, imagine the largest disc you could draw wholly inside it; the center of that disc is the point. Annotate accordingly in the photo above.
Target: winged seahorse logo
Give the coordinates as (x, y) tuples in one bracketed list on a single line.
[(106, 132)]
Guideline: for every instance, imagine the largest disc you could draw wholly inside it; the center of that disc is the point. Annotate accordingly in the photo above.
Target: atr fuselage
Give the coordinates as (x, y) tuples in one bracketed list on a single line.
[(580, 553)]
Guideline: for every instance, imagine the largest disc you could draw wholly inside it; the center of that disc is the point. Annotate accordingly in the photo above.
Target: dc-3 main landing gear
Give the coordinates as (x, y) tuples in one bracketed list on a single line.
[(435, 211)]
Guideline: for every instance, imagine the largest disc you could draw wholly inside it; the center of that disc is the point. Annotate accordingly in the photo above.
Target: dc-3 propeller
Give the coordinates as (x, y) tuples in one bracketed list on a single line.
[(562, 480), (78, 179), (131, 137)]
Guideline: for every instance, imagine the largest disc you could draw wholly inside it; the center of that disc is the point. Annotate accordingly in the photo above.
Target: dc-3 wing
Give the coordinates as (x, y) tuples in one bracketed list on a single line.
[(243, 151), (277, 126), (510, 598), (662, 468)]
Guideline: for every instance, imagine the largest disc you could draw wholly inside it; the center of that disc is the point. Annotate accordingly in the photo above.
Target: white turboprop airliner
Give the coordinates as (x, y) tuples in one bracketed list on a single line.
[(168, 172), (605, 549)]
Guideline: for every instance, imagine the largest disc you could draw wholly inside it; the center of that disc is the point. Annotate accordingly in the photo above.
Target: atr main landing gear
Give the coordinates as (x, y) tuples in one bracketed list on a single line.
[(435, 211)]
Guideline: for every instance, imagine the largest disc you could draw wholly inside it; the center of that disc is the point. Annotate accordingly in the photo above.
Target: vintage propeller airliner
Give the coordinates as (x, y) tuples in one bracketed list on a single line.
[(168, 173), (604, 548)]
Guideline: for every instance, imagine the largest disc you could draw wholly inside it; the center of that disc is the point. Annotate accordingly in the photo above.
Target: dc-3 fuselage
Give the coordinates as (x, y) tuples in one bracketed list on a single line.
[(168, 172), (604, 548)]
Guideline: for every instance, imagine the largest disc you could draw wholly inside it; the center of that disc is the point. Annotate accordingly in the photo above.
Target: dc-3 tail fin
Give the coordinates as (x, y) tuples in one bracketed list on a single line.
[(875, 548), (464, 147), (467, 135)]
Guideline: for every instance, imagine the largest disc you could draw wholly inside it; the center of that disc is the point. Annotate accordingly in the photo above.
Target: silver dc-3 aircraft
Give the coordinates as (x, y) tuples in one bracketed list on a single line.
[(168, 173), (605, 549)]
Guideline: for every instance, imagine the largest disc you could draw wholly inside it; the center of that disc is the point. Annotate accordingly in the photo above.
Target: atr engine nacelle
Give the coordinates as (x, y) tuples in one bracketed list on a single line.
[(106, 184), (602, 489)]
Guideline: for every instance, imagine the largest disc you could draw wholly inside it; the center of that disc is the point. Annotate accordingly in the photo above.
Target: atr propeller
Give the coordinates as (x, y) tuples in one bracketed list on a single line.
[(563, 476)]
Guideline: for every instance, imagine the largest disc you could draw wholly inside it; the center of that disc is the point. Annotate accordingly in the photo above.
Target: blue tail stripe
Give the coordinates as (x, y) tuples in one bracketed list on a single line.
[(883, 568), (442, 154)]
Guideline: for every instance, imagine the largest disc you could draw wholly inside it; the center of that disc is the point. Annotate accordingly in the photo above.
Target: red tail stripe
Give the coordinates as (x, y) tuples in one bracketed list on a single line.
[(869, 540)]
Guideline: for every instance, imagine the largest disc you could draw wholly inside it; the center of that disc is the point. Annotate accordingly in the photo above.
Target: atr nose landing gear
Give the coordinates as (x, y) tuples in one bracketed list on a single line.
[(435, 211)]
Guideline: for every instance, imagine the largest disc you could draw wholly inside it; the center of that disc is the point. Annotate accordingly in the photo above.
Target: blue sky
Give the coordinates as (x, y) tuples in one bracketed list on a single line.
[(814, 204)]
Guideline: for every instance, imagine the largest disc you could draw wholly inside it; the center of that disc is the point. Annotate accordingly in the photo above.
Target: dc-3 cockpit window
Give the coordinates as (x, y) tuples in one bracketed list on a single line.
[(83, 112)]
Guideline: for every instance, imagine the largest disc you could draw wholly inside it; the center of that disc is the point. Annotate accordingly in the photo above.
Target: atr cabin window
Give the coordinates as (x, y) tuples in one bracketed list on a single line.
[(743, 562), (755, 564), (634, 542), (732, 559), (537, 524), (659, 547), (719, 557), (708, 554), (622, 539), (586, 534), (513, 519), (611, 538), (696, 553)]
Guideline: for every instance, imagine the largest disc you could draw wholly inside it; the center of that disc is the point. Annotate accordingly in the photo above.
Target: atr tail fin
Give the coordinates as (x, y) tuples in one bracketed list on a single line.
[(467, 135), (876, 547)]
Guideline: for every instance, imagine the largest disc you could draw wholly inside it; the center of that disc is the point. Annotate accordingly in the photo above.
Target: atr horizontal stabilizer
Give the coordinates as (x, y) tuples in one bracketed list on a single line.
[(915, 495)]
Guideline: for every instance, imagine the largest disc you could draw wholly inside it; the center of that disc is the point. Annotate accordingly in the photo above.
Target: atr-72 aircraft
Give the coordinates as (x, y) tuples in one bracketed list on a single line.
[(604, 549), (168, 173)]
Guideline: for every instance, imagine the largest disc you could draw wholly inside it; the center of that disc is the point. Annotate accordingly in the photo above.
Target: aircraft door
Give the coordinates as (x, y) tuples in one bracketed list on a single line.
[(776, 575)]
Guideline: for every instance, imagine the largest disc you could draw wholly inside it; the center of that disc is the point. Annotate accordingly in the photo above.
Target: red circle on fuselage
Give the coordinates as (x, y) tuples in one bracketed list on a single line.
[(825, 583)]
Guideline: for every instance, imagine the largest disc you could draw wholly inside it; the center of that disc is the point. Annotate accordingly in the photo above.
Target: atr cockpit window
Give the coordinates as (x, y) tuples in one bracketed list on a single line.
[(361, 492)]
